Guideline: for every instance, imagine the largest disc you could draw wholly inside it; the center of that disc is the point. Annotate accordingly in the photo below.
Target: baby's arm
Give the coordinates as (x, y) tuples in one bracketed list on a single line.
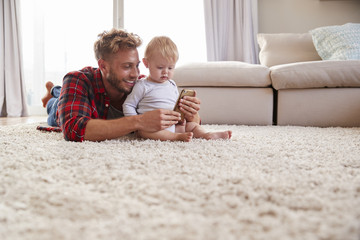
[(131, 103)]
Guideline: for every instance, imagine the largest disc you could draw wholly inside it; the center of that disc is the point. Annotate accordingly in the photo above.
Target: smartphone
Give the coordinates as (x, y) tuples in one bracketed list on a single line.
[(184, 92)]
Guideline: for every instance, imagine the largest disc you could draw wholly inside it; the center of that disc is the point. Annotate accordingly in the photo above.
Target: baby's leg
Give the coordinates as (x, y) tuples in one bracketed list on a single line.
[(180, 128), (166, 135), (200, 132)]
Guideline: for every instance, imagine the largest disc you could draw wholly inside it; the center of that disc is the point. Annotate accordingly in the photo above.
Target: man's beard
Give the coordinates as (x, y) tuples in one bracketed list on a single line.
[(116, 83)]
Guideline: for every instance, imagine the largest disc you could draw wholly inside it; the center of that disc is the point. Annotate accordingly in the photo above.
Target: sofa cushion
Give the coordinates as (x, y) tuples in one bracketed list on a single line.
[(318, 74), (282, 48), (222, 74), (338, 42)]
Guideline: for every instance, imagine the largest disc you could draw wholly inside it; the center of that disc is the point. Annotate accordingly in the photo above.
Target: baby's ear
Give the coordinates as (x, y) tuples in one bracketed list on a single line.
[(146, 63)]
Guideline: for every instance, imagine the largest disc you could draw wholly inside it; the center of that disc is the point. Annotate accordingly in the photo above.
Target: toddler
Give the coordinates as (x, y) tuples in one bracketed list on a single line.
[(159, 91)]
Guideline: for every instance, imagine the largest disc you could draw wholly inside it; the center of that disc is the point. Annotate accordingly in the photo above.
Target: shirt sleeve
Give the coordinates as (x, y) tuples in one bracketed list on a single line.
[(132, 100), (74, 109)]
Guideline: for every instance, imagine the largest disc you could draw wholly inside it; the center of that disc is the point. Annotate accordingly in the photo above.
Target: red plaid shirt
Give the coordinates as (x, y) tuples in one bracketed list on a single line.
[(83, 97)]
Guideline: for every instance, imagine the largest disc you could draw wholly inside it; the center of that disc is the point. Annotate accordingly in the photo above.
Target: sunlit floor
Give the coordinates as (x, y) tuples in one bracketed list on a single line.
[(18, 120)]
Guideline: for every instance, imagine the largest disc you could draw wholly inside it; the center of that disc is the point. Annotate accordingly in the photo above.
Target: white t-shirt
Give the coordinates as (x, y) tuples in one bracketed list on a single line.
[(147, 96)]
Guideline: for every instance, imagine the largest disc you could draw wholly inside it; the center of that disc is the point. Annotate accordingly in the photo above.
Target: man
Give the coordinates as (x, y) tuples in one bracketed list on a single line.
[(90, 103)]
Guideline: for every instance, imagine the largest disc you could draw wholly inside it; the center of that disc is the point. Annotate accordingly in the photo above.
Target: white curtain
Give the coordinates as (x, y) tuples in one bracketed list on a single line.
[(231, 29), (12, 85)]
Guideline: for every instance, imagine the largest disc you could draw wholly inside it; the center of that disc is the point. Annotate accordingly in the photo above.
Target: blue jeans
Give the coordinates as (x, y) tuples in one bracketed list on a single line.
[(52, 106)]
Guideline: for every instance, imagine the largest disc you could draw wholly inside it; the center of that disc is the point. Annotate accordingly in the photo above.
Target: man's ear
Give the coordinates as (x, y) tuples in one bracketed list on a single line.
[(103, 65), (146, 63)]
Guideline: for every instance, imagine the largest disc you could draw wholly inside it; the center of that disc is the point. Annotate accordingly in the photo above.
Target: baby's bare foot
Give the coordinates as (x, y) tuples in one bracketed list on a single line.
[(48, 95), (218, 135), (185, 137)]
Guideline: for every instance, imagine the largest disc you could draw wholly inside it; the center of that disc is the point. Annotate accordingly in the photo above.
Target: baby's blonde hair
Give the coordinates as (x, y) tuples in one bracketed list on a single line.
[(163, 45), (111, 42)]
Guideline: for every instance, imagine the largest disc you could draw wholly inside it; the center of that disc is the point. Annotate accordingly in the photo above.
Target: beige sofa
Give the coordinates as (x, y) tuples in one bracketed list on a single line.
[(292, 86), (230, 92)]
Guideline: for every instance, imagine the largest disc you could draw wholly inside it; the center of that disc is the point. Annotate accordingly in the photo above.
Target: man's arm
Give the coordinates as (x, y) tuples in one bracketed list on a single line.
[(100, 129)]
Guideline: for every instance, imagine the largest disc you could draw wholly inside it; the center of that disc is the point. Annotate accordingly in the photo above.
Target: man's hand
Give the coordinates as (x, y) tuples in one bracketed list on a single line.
[(157, 120), (190, 106)]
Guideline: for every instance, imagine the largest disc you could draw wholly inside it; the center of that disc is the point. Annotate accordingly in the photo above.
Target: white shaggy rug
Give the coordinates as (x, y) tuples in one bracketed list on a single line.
[(265, 183)]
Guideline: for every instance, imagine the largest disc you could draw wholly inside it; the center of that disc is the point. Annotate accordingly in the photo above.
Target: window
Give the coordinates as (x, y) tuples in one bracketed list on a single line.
[(58, 37), (181, 20)]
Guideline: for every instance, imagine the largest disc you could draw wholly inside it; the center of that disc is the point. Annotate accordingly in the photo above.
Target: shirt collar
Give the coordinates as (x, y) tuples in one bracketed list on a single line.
[(99, 83)]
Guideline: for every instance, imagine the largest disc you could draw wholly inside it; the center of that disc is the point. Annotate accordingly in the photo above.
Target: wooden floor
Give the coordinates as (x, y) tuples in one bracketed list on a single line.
[(18, 120)]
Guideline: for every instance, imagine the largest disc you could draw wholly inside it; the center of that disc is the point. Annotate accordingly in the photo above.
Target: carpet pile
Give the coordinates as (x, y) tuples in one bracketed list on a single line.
[(267, 182)]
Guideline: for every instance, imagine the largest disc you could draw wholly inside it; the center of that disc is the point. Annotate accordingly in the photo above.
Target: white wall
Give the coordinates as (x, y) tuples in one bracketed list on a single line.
[(298, 16)]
